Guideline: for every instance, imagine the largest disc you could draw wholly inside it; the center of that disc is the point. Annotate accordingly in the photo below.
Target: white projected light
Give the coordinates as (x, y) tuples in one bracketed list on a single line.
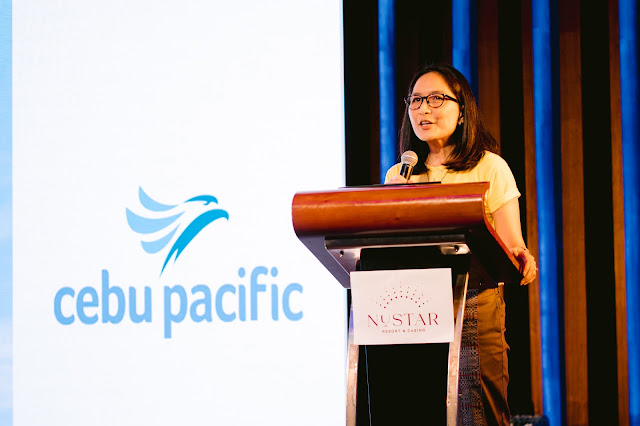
[(157, 277)]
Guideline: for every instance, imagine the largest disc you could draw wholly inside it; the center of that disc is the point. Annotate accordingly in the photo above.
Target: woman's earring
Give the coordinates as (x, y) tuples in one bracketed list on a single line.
[(460, 121)]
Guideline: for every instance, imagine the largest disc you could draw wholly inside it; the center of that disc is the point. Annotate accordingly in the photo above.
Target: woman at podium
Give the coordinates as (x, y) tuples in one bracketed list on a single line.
[(443, 126)]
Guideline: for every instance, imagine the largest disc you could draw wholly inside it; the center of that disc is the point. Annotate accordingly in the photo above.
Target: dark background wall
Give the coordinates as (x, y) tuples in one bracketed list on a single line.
[(586, 65)]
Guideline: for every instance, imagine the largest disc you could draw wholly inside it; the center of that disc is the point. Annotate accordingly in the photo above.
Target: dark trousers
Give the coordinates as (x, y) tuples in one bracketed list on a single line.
[(493, 348)]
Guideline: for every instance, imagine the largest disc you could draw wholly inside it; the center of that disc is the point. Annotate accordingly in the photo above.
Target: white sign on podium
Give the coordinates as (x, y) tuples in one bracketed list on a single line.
[(402, 306)]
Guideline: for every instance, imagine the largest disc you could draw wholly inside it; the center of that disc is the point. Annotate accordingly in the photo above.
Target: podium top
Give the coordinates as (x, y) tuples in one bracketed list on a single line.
[(400, 215)]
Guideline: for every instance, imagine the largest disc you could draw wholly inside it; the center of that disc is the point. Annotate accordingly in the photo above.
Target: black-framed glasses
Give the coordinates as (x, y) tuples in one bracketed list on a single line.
[(434, 101)]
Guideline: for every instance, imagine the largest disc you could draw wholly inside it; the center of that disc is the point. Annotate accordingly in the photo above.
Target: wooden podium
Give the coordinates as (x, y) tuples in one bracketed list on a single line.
[(406, 226)]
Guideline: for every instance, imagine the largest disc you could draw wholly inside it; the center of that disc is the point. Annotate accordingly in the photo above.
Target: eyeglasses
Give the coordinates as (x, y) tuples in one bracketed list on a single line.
[(434, 101)]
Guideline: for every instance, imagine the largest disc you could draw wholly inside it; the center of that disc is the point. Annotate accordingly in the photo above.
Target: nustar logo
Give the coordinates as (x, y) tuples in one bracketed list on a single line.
[(167, 225), (402, 310), (175, 226)]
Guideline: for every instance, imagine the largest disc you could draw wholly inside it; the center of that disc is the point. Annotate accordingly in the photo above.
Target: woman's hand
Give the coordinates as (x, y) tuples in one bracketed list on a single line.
[(527, 264), (507, 220), (396, 180)]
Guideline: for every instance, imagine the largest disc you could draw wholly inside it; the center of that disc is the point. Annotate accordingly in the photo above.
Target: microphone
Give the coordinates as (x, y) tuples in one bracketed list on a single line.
[(408, 160)]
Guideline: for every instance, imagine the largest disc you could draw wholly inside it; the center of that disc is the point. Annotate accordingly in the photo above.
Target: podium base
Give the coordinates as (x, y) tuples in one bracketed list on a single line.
[(407, 384), (402, 384)]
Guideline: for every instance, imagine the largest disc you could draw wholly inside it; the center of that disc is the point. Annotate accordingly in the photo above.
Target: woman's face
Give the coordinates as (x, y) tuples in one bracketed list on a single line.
[(434, 125)]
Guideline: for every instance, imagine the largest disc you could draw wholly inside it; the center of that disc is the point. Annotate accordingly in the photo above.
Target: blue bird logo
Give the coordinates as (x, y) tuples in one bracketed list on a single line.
[(168, 223)]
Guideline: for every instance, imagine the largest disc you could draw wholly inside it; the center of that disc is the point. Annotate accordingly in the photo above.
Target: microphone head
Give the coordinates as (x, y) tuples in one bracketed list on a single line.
[(410, 158)]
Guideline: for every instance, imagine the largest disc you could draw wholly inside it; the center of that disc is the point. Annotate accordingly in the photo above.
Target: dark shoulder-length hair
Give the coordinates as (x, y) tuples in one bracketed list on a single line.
[(470, 139)]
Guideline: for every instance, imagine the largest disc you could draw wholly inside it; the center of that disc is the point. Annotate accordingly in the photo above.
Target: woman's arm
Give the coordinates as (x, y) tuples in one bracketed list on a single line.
[(507, 222)]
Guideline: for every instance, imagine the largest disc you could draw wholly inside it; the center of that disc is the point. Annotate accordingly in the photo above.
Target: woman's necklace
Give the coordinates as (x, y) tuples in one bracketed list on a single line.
[(442, 171)]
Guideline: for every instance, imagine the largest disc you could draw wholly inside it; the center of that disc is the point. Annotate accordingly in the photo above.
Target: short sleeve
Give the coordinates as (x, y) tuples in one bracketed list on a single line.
[(503, 185), (392, 172)]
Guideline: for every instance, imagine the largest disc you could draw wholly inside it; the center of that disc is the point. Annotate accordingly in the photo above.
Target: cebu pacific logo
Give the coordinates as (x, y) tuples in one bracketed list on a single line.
[(238, 295), (160, 223)]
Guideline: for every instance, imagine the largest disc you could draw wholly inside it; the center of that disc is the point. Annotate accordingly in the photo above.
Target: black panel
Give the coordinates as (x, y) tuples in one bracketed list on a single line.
[(598, 207), (512, 150), (361, 92), (423, 36)]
